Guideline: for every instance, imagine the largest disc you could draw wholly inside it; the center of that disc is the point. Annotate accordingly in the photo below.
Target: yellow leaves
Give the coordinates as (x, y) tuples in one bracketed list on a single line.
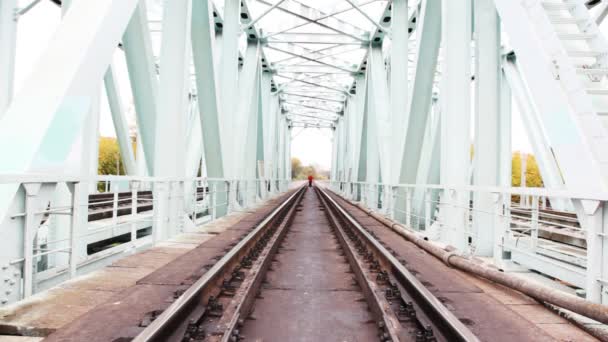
[(299, 171), (533, 177), (109, 157)]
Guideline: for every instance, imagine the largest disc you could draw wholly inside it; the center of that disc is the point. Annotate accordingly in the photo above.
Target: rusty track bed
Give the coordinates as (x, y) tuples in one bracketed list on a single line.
[(410, 311), (198, 312), (219, 306)]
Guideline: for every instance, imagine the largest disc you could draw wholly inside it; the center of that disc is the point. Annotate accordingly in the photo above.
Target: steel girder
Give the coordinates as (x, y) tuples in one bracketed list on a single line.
[(8, 39), (455, 111), (487, 119), (144, 81), (427, 53), (80, 54), (209, 109), (120, 121)]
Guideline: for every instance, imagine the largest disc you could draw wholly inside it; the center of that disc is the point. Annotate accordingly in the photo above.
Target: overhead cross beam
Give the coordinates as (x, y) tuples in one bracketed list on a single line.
[(341, 91), (326, 16), (313, 97), (355, 32), (310, 59)]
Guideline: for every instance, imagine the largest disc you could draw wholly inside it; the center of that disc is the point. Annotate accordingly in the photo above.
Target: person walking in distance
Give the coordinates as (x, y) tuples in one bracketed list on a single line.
[(310, 178)]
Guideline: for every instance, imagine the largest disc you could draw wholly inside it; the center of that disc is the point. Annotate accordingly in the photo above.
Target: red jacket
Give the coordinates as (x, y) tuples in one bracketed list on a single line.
[(310, 178)]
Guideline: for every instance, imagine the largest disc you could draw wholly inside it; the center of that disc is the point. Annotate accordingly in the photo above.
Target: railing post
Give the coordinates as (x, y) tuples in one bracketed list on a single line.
[(134, 195), (544, 202), (391, 199), (114, 210), (213, 202), (534, 223), (500, 227), (77, 212), (427, 209), (408, 207), (30, 229), (160, 210), (454, 218), (596, 251), (193, 201)]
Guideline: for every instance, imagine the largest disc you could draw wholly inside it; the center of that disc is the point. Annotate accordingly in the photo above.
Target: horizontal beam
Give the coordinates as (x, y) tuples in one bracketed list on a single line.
[(313, 97)]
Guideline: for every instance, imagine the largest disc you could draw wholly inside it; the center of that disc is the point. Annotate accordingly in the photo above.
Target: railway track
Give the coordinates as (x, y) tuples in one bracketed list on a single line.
[(302, 275)]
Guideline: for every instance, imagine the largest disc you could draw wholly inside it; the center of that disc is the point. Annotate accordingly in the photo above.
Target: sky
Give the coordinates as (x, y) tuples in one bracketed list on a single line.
[(311, 146)]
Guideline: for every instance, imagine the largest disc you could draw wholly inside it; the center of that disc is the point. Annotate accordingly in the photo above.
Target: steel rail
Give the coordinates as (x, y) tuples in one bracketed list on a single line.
[(155, 330), (431, 305)]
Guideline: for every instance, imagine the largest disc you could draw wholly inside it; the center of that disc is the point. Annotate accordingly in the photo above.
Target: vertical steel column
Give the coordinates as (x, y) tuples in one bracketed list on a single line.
[(487, 109), (505, 158), (259, 139), (398, 83), (372, 158), (203, 50), (456, 115), (228, 82), (281, 127), (359, 141), (288, 158), (169, 152), (381, 110), (8, 39), (334, 152)]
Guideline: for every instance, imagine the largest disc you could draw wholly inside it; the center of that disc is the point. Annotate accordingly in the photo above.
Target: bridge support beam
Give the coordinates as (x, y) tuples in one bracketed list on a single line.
[(487, 111), (456, 114), (119, 120), (209, 109), (8, 39), (144, 83), (169, 156)]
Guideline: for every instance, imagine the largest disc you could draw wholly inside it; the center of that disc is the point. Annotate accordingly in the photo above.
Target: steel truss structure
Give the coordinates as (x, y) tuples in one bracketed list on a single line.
[(409, 88)]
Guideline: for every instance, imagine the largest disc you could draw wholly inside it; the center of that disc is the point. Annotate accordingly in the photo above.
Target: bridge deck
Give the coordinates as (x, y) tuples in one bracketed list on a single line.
[(127, 294)]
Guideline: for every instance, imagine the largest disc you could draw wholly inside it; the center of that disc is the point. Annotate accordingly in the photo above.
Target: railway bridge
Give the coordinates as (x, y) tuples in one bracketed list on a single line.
[(439, 114)]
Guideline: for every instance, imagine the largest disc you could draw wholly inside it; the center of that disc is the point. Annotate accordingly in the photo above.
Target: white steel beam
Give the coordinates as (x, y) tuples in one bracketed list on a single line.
[(427, 54), (8, 39), (487, 109), (398, 82), (206, 83), (119, 120), (228, 81), (359, 136), (144, 81), (541, 148), (170, 144), (429, 165), (337, 25), (314, 60), (378, 91), (247, 108), (456, 114), (82, 46), (372, 167), (47, 115)]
